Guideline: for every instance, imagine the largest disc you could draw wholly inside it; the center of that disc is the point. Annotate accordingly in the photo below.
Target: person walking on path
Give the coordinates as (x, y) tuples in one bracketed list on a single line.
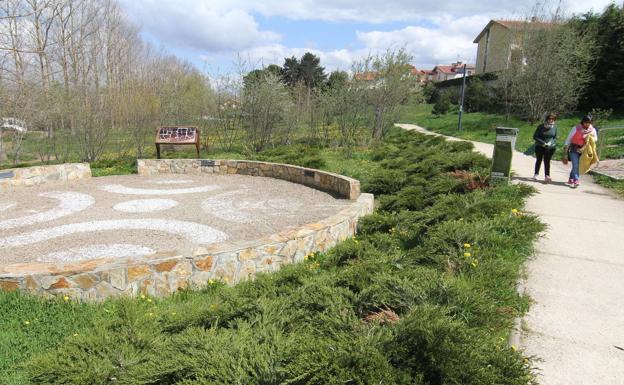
[(573, 146), (545, 138)]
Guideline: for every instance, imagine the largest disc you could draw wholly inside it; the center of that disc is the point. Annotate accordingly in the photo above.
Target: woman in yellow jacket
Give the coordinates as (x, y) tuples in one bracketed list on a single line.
[(575, 144)]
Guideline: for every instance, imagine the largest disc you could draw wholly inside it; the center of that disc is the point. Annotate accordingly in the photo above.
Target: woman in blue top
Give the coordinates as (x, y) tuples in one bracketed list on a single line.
[(545, 138)]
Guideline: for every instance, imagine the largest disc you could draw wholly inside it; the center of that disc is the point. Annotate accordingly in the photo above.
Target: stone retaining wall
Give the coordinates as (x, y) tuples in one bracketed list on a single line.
[(32, 176), (340, 185), (165, 273)]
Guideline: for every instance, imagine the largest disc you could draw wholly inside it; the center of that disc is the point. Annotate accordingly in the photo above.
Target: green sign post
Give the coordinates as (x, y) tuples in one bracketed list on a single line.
[(503, 152)]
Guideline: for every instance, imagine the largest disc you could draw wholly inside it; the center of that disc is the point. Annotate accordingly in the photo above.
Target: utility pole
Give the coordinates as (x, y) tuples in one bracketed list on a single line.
[(461, 100)]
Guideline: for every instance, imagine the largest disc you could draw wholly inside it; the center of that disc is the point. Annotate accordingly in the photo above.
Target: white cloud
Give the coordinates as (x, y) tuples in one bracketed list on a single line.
[(199, 25), (275, 53), (448, 41), (214, 30), (376, 11)]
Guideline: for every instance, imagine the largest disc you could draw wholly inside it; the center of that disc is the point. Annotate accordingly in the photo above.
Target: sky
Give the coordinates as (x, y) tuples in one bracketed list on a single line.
[(218, 35)]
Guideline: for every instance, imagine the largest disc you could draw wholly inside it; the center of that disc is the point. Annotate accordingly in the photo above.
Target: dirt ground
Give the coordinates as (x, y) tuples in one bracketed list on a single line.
[(134, 215)]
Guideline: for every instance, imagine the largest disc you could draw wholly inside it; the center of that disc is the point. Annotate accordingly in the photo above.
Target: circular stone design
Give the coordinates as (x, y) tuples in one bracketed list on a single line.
[(145, 205), (225, 206), (70, 203), (6, 206), (174, 181), (194, 232), (121, 189), (117, 250)]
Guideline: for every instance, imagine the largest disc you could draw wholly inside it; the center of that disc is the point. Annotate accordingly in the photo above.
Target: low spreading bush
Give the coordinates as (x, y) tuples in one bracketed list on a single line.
[(425, 294)]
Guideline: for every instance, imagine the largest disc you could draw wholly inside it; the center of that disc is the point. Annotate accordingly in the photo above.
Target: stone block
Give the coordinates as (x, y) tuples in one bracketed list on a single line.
[(204, 264), (136, 273), (104, 290), (165, 266), (116, 277), (247, 254), (247, 271), (85, 281), (9, 285)]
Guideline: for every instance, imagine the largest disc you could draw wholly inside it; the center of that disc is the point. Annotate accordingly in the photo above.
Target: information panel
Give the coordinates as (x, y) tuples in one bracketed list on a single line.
[(177, 135)]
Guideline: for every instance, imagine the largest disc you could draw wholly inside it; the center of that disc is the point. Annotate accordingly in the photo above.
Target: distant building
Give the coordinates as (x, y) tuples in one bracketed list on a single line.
[(452, 71), (500, 42), (366, 76), (13, 124), (421, 75)]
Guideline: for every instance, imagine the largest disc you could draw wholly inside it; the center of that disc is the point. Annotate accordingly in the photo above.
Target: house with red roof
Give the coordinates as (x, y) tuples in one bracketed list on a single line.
[(455, 70)]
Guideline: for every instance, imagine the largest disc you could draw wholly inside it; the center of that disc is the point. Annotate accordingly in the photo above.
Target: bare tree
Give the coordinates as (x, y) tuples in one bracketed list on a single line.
[(389, 87), (548, 68), (265, 103)]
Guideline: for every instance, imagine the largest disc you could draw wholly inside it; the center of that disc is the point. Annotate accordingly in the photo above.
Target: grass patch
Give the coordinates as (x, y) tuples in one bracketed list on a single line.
[(425, 294), (480, 127), (615, 185)]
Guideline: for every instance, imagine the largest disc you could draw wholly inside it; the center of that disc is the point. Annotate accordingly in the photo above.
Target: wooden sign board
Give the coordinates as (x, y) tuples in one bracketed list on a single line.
[(177, 135)]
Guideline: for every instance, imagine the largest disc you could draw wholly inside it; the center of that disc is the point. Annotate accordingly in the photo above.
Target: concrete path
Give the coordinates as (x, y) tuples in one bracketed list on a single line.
[(575, 327)]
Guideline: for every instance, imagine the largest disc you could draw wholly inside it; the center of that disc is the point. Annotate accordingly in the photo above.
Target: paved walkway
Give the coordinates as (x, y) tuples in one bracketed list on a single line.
[(575, 326)]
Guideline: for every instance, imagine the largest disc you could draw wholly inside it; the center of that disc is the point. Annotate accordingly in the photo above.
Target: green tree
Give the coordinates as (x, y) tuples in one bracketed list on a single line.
[(337, 79), (310, 70), (477, 97), (290, 71), (443, 105), (606, 89)]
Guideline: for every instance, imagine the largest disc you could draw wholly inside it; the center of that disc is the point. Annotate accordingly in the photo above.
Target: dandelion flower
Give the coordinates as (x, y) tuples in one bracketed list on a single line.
[(467, 255), (467, 245), (211, 281), (515, 211), (66, 298)]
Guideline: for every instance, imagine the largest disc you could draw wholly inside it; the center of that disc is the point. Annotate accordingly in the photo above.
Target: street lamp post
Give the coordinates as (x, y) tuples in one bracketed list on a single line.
[(461, 100)]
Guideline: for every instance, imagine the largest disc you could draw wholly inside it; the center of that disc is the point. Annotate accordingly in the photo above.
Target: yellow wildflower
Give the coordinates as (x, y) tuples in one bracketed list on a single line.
[(475, 263), (467, 245), (467, 255), (149, 300), (142, 296), (211, 281), (26, 322), (514, 348), (66, 298), (515, 211)]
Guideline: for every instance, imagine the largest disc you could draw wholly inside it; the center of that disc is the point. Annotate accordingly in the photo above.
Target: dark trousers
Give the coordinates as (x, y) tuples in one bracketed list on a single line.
[(544, 154)]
